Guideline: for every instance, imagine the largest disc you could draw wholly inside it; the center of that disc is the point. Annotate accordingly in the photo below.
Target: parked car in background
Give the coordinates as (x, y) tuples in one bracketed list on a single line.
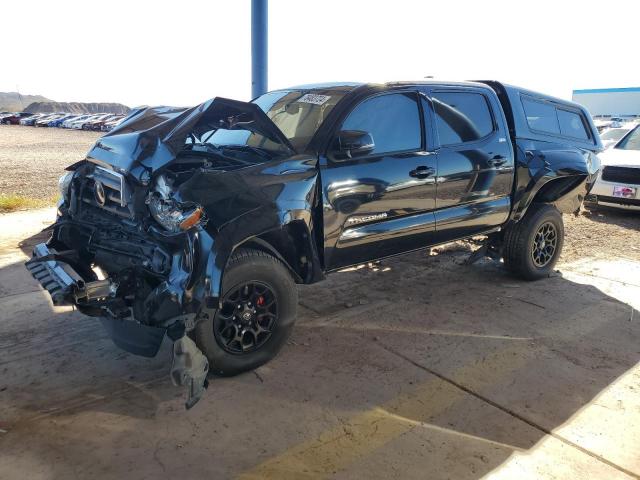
[(611, 136), (112, 123), (67, 123), (87, 121), (97, 122), (618, 183), (78, 124), (30, 121), (56, 122), (14, 119), (605, 124), (44, 121)]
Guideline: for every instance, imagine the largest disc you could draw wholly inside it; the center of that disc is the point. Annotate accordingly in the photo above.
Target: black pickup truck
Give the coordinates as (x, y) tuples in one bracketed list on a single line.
[(197, 223)]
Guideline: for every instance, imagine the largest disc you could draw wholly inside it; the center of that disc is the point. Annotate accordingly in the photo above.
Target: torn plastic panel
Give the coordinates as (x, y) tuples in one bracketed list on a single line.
[(189, 368), (553, 173)]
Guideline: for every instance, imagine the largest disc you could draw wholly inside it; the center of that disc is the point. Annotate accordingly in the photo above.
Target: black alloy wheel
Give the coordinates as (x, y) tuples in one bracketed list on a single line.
[(255, 317), (532, 246), (544, 244), (247, 318)]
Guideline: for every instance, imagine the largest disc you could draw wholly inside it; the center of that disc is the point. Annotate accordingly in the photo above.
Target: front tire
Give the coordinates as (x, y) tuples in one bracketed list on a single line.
[(533, 245), (257, 314)]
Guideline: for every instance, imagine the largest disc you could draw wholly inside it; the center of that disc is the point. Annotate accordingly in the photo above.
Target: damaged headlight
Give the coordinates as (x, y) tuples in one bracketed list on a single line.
[(168, 212), (64, 182)]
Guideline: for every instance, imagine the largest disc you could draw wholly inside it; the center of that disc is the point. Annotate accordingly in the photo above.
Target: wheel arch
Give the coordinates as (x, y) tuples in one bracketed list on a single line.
[(294, 246), (562, 192)]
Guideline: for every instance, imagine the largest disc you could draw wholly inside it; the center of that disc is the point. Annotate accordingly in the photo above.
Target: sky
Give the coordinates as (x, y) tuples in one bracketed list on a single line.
[(140, 52)]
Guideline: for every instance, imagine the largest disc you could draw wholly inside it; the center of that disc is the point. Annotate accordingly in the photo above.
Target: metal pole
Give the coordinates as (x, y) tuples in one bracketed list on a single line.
[(259, 60)]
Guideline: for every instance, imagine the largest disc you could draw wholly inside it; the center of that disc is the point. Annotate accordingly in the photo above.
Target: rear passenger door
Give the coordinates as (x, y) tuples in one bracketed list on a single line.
[(475, 162)]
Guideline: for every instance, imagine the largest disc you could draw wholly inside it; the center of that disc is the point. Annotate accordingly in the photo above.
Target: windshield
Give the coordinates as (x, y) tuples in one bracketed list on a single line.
[(614, 134), (297, 113), (631, 141)]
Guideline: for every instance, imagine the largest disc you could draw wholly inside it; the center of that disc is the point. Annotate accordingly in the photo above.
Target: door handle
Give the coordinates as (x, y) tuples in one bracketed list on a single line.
[(497, 160), (530, 154), (422, 172)]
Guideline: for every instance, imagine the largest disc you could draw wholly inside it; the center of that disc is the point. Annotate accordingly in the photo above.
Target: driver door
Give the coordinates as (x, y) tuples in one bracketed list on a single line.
[(380, 203)]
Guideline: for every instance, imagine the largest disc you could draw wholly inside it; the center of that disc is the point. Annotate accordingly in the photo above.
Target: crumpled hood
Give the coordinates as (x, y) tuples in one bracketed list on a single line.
[(149, 138), (620, 158)]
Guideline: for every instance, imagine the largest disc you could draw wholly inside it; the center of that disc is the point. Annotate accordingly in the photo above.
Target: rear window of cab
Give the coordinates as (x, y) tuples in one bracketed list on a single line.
[(546, 117)]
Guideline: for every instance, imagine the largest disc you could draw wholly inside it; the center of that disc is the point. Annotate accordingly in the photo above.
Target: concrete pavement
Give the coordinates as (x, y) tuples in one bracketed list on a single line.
[(417, 367)]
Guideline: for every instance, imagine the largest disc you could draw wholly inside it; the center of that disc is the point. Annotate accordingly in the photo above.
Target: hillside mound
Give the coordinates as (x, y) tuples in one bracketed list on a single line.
[(77, 107), (15, 102)]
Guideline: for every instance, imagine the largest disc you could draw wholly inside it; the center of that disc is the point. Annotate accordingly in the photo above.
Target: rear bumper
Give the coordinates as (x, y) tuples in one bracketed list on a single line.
[(602, 193), (613, 202)]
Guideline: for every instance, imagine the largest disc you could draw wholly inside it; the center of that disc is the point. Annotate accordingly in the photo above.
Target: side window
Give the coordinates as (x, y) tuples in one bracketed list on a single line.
[(393, 121), (571, 125), (541, 116), (461, 117)]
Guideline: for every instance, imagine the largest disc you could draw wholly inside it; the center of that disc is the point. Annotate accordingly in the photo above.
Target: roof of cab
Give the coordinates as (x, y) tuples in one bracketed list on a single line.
[(354, 85)]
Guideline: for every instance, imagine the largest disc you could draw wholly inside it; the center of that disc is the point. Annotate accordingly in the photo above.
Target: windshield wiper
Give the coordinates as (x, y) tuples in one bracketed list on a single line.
[(209, 147), (257, 150)]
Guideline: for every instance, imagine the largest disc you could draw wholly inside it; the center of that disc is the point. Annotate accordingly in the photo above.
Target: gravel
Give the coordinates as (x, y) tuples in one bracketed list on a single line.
[(32, 159), (603, 233)]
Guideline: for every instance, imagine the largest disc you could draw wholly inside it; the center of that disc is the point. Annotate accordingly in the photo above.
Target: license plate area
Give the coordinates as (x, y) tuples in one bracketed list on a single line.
[(623, 191)]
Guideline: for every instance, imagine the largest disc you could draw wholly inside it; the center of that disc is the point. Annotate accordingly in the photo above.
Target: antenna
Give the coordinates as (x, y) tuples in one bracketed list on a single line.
[(20, 97)]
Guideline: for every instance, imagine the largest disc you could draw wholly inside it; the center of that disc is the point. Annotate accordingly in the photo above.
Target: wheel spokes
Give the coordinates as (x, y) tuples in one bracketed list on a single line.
[(247, 317), (544, 244)]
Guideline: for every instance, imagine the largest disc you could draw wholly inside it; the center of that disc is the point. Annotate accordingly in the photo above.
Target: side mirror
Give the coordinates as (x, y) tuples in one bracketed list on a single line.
[(352, 143)]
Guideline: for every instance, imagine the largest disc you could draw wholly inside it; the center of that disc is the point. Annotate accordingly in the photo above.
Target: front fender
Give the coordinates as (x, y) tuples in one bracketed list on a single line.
[(248, 205)]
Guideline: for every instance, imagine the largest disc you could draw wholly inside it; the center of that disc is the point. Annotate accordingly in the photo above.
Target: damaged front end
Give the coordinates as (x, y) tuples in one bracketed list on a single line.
[(133, 244), (111, 259)]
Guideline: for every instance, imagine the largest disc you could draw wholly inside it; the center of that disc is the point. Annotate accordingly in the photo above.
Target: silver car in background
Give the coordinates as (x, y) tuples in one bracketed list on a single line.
[(611, 136), (618, 182)]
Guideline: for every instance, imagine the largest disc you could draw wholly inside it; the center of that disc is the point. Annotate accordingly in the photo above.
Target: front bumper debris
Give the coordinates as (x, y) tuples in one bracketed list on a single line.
[(189, 368), (64, 284), (67, 287), (58, 278)]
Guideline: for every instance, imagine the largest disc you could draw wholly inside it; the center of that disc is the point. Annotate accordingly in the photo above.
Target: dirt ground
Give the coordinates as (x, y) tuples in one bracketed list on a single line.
[(416, 367), (32, 159), (602, 233)]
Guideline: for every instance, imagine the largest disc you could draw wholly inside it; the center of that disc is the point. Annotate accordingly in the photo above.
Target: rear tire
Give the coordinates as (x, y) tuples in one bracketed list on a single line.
[(259, 303), (533, 245)]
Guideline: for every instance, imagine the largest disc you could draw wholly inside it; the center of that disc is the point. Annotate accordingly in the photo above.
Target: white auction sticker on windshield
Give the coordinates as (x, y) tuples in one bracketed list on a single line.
[(314, 98)]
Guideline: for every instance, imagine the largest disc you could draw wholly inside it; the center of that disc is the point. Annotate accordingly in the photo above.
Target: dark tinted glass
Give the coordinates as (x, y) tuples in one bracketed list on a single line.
[(461, 117), (392, 120), (571, 125), (541, 116)]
